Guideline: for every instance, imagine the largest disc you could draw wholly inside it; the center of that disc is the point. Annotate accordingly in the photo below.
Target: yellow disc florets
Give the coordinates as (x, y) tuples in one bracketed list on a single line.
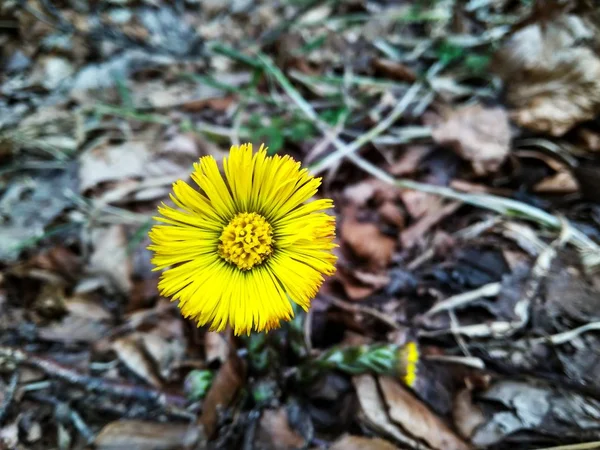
[(246, 241)]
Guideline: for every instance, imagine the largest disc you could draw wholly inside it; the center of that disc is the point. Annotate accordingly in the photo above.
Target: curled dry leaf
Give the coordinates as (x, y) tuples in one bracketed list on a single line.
[(368, 242), (130, 353), (416, 418), (552, 413), (419, 203), (552, 81), (374, 411), (349, 442), (467, 416), (110, 258), (274, 432), (359, 284), (355, 289), (415, 232), (85, 321), (216, 347), (165, 353), (478, 134), (560, 183), (223, 390), (113, 163), (143, 435)]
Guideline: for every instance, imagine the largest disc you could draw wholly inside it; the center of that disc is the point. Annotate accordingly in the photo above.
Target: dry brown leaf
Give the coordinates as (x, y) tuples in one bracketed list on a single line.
[(359, 284), (375, 411), (375, 280), (367, 242), (409, 161), (552, 81), (560, 183), (223, 390), (143, 435), (86, 321), (394, 69), (349, 442), (412, 415), (360, 193), (215, 347), (130, 353), (355, 290), (156, 95), (466, 415), (110, 258), (274, 432), (166, 353), (411, 235), (419, 204), (479, 135), (392, 214), (113, 163)]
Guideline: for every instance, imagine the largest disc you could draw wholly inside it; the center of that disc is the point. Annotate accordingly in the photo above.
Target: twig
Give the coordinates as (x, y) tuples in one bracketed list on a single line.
[(362, 309), (566, 336), (522, 307), (92, 384), (64, 413), (469, 361), (9, 395), (459, 300)]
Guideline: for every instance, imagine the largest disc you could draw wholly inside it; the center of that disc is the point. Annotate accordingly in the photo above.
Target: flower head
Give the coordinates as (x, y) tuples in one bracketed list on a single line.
[(242, 247)]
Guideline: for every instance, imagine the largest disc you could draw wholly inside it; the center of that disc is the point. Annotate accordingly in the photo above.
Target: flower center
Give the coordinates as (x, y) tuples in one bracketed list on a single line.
[(246, 241)]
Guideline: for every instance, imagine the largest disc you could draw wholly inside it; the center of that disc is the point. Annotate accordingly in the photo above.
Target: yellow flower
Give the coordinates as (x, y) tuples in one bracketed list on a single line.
[(242, 247)]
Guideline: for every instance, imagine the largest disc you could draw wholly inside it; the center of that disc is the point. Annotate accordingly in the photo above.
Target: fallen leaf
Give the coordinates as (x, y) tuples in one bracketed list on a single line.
[(367, 242), (478, 134), (375, 411), (85, 321), (166, 353), (394, 69), (355, 290), (466, 415), (215, 347), (392, 214), (9, 434), (410, 160), (361, 193), (223, 390), (412, 234), (536, 408), (145, 435), (560, 183), (156, 95), (375, 280), (23, 218), (110, 258), (349, 442), (412, 415), (552, 80), (130, 353), (113, 163), (419, 203), (274, 432)]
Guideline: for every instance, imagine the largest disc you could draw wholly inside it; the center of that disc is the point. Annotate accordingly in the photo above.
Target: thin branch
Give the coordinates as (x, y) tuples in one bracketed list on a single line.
[(92, 384), (9, 395)]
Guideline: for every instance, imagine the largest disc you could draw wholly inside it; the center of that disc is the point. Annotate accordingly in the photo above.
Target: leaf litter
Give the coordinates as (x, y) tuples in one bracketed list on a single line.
[(101, 109)]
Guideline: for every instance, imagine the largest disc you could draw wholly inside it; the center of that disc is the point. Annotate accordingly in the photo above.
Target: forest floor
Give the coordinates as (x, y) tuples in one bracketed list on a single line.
[(460, 142)]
